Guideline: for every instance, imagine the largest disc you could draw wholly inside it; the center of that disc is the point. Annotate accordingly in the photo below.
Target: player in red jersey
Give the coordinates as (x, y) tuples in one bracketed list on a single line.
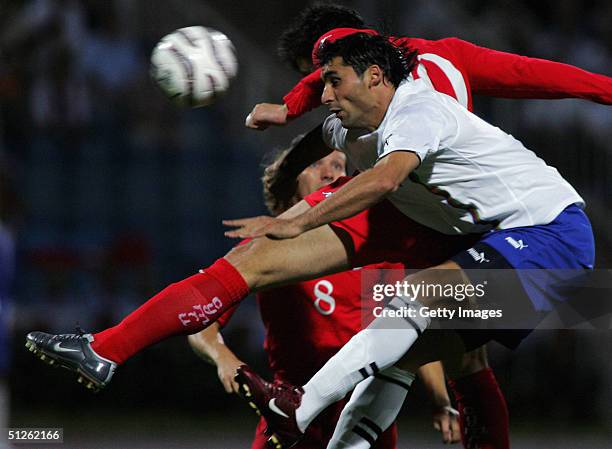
[(321, 317), (452, 66)]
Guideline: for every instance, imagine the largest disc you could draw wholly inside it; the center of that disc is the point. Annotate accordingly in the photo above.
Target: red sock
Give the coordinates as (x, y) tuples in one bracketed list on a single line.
[(483, 411), (182, 308)]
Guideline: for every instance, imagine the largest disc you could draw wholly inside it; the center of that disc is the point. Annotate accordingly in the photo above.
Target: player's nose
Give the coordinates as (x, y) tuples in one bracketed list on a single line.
[(326, 173), (328, 95)]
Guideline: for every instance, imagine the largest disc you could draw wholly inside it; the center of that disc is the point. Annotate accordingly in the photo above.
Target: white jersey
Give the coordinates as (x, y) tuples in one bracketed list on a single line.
[(473, 177)]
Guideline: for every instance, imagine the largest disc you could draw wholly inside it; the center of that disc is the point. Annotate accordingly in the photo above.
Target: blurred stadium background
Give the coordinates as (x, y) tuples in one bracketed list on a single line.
[(108, 193)]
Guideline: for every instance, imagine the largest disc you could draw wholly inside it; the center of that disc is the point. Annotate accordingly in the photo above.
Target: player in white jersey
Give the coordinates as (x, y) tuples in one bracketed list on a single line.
[(469, 176), (447, 169)]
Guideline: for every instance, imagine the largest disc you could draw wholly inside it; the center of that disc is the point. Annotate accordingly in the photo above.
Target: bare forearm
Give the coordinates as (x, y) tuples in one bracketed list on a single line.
[(209, 345), (432, 376), (360, 193), (508, 75)]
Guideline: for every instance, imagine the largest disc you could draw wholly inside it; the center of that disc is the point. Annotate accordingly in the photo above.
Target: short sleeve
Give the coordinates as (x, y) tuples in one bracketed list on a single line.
[(418, 127), (334, 135)]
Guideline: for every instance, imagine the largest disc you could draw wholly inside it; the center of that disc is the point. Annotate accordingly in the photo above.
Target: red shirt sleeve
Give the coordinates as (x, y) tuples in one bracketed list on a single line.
[(489, 72), (305, 96), (506, 75)]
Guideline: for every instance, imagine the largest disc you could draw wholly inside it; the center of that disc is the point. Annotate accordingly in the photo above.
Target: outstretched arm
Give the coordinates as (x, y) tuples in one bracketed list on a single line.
[(210, 346), (507, 75), (490, 72), (361, 192), (306, 95)]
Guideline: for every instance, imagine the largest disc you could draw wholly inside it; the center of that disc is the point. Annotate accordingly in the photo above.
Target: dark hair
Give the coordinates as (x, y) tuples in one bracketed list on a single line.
[(298, 38), (361, 50), (279, 185)]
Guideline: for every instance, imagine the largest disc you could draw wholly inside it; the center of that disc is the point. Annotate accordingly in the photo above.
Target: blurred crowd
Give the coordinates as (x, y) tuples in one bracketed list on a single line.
[(573, 135), (109, 192), (108, 170)]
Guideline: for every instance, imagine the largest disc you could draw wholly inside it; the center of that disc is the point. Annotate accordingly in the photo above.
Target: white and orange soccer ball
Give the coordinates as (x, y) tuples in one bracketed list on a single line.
[(193, 66)]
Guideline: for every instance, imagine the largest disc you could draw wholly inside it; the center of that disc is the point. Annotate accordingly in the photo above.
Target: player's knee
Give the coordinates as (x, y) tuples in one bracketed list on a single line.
[(252, 262), (352, 412)]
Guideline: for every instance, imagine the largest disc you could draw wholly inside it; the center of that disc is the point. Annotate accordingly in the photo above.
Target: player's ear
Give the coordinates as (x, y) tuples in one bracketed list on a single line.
[(376, 75)]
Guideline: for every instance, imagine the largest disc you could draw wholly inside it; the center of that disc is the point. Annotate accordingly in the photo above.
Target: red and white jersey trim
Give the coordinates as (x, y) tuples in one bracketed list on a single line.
[(453, 75)]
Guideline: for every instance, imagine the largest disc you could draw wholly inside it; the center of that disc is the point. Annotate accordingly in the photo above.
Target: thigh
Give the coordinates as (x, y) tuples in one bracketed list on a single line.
[(266, 263), (451, 273), (434, 344)]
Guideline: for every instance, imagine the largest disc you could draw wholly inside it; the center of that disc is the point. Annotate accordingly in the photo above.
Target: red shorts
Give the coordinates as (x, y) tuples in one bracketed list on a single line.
[(383, 234), (320, 431)]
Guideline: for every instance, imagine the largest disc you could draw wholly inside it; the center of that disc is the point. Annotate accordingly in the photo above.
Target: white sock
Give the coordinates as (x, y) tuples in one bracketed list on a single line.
[(375, 348), (373, 407)]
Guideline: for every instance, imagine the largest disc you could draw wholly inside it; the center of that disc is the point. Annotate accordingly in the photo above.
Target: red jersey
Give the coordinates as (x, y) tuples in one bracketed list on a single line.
[(461, 69)]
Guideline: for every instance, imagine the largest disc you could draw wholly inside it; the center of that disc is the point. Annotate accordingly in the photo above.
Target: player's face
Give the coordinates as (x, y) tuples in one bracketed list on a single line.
[(321, 173), (346, 94)]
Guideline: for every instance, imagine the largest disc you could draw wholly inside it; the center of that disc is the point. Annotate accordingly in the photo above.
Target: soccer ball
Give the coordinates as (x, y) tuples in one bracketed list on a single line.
[(194, 65)]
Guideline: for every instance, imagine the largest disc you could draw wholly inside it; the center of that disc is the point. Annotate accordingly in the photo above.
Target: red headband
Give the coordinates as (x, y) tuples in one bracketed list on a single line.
[(334, 35)]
